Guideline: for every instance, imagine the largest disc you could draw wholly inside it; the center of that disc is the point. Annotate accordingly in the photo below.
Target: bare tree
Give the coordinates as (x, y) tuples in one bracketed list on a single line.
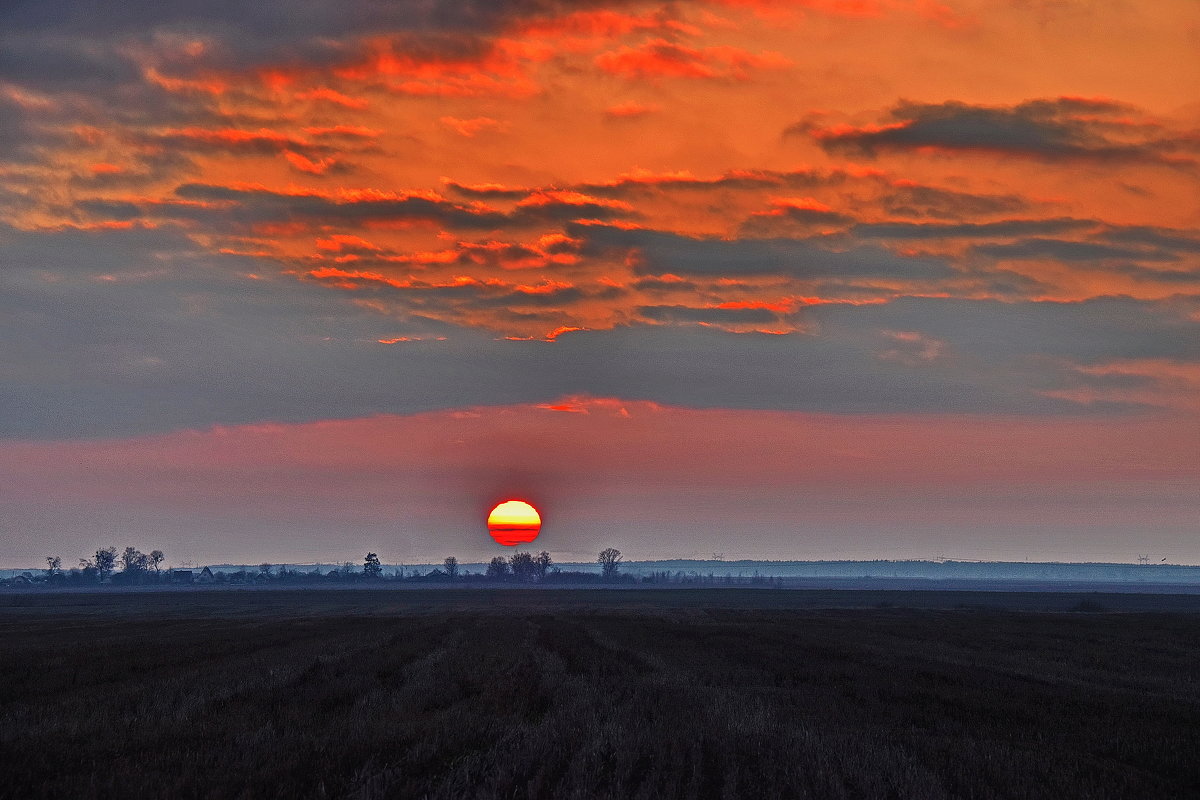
[(105, 561), (371, 566), (134, 560), (451, 566), (498, 568), (53, 566), (543, 562), (608, 559), (156, 558)]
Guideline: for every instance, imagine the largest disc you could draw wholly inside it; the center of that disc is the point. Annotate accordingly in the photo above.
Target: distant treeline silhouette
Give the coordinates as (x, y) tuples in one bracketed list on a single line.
[(131, 567)]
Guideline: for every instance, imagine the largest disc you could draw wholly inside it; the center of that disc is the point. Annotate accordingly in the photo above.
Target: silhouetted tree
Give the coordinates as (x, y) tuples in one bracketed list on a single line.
[(543, 563), (498, 568), (53, 566), (371, 566), (156, 558), (134, 560), (523, 566), (105, 561), (451, 565), (608, 559)]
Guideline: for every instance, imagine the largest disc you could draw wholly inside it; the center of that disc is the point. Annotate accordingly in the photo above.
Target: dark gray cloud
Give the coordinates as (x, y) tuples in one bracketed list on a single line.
[(970, 230), (1048, 128), (1086, 332), (268, 31), (106, 335), (747, 180), (110, 209), (93, 57), (785, 220), (741, 180), (719, 316), (283, 19), (660, 252), (250, 206), (930, 201), (1067, 250), (420, 296), (60, 62), (17, 132), (1179, 241), (1181, 276)]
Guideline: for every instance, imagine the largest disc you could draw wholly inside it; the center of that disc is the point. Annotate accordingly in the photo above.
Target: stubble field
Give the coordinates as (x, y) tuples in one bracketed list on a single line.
[(586, 693)]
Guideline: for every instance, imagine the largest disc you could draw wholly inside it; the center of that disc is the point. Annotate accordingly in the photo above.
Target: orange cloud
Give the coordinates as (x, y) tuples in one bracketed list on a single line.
[(659, 58), (303, 164), (572, 198), (472, 127), (352, 279), (630, 110), (339, 242), (861, 9), (263, 140), (351, 131), (328, 95), (232, 136), (501, 69), (801, 204), (210, 85)]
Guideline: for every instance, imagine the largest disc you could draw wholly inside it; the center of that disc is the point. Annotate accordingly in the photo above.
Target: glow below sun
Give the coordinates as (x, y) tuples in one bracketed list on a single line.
[(514, 522)]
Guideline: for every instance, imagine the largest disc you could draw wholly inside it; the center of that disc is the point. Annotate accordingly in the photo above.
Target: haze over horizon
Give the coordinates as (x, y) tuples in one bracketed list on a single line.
[(797, 279)]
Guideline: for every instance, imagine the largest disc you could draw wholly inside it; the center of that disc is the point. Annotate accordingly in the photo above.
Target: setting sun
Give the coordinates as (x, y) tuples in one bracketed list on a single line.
[(514, 522)]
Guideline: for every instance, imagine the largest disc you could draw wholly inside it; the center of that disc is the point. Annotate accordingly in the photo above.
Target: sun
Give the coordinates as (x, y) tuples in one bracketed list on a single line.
[(514, 522)]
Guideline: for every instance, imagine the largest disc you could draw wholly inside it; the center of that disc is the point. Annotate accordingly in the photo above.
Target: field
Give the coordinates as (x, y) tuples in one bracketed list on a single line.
[(592, 693)]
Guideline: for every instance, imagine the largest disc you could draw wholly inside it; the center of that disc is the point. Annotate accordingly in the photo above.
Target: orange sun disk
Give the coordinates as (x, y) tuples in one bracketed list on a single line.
[(514, 522)]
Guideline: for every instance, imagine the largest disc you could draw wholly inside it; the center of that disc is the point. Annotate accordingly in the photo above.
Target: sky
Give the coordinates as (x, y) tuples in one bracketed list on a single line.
[(803, 279)]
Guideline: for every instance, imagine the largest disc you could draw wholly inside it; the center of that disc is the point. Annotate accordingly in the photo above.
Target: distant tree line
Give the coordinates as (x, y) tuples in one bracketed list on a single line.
[(133, 567), (107, 565)]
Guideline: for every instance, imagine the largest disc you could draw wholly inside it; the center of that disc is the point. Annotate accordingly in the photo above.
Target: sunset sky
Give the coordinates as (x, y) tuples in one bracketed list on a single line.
[(287, 281)]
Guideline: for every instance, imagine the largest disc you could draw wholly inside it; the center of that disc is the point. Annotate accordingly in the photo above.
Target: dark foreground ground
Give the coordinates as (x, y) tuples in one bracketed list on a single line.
[(587, 693)]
